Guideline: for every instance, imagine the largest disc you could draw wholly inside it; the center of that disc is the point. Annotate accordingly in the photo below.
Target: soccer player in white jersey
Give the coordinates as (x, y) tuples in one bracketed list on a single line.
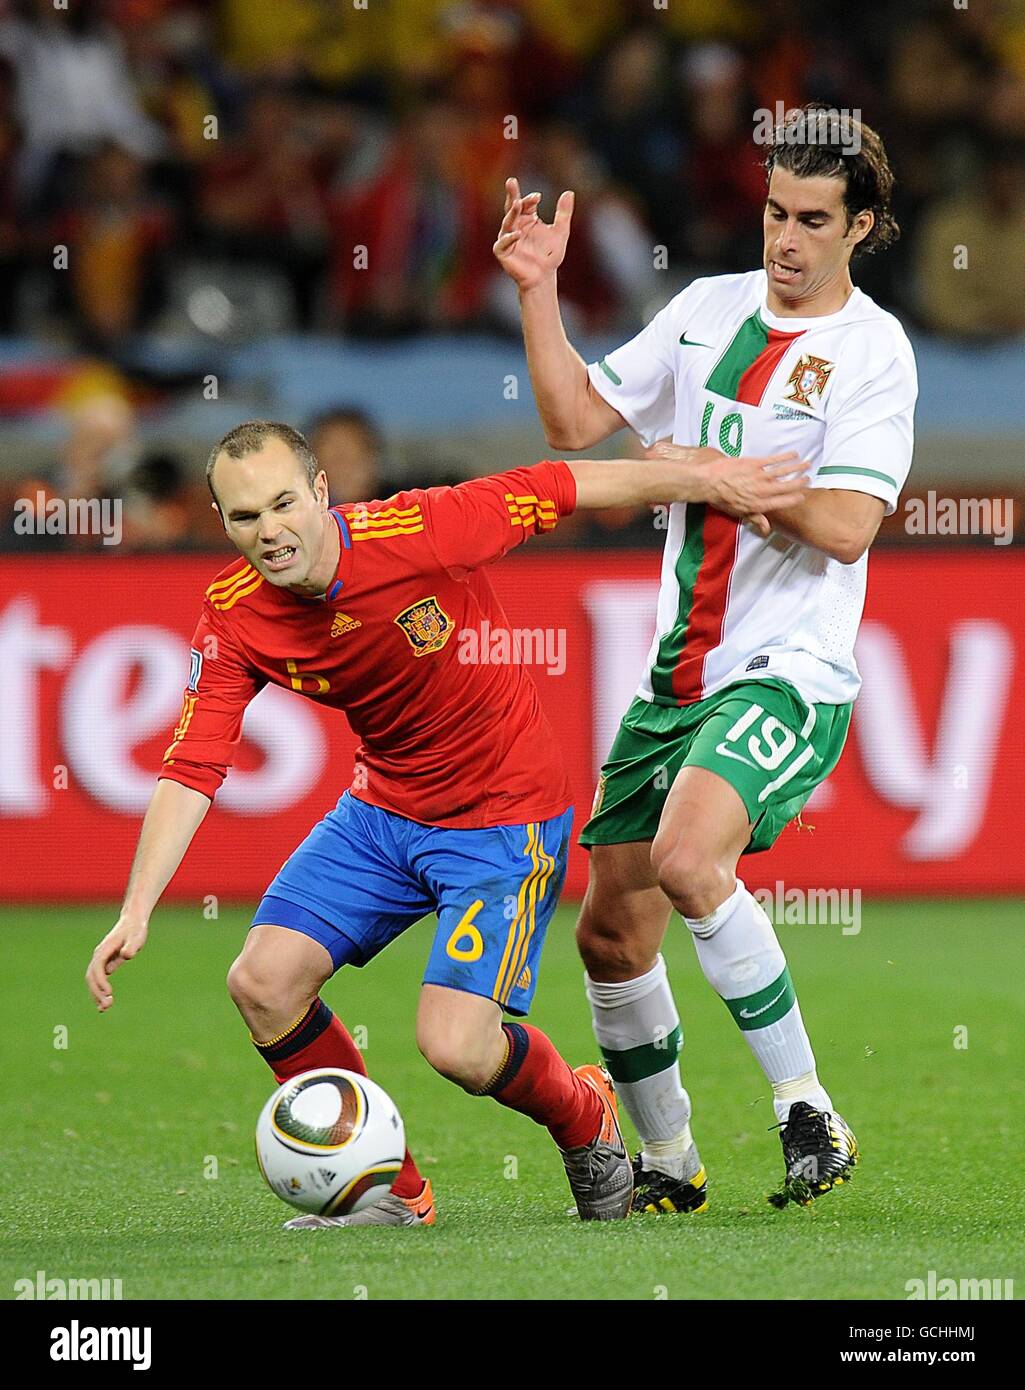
[(744, 707)]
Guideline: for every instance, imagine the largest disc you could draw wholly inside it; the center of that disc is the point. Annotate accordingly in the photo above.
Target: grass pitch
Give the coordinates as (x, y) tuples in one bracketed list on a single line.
[(128, 1153)]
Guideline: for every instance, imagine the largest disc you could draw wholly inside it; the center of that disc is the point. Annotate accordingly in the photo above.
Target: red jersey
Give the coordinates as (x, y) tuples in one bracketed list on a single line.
[(443, 741)]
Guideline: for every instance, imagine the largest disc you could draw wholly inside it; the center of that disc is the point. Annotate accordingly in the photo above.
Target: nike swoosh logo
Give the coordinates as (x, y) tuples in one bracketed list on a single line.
[(690, 342), (755, 1012), (729, 753)]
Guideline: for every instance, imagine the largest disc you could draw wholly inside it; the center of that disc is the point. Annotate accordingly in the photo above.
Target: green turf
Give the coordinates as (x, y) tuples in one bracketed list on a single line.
[(107, 1142)]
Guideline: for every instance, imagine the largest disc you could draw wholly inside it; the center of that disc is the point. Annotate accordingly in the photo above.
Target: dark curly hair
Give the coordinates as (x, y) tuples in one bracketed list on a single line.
[(862, 164)]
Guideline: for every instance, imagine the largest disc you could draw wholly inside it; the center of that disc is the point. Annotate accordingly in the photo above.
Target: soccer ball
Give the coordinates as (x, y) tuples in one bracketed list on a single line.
[(330, 1141)]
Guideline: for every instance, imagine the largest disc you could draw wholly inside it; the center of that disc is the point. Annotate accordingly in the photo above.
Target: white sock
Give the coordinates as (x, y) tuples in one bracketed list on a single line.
[(638, 1031), (743, 962)]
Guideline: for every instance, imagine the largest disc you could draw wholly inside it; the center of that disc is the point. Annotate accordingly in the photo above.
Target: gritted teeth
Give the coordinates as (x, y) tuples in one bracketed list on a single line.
[(284, 552)]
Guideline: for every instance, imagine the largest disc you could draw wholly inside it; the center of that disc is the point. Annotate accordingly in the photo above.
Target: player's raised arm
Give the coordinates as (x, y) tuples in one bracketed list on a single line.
[(530, 252), (174, 815)]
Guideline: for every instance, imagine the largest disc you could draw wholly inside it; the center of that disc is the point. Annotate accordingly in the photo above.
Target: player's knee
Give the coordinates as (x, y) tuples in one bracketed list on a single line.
[(256, 990), (460, 1055), (689, 877), (607, 945), (242, 985)]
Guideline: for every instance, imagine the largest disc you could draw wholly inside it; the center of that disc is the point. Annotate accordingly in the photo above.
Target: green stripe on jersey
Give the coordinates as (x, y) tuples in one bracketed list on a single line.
[(767, 1006), (688, 562), (864, 472), (616, 380), (750, 339), (638, 1063)]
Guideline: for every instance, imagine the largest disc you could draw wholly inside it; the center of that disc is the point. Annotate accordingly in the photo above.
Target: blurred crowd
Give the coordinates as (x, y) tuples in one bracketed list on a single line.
[(342, 161), (166, 506)]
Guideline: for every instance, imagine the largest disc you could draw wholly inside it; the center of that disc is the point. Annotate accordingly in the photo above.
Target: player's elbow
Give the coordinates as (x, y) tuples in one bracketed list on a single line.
[(567, 439), (848, 544), (586, 428), (559, 441), (849, 550)]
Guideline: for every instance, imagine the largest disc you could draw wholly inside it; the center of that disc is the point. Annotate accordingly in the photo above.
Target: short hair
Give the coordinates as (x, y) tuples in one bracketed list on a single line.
[(862, 164), (250, 437)]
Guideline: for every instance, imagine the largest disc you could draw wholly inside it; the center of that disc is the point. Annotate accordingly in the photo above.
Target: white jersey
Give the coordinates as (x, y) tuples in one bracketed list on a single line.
[(716, 367)]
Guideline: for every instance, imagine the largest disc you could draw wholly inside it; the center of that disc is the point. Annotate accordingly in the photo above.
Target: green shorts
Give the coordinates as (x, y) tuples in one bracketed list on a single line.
[(759, 736)]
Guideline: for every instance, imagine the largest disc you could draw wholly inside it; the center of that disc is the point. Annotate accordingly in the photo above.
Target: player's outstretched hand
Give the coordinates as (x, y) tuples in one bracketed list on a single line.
[(528, 249), (747, 487), (124, 940)]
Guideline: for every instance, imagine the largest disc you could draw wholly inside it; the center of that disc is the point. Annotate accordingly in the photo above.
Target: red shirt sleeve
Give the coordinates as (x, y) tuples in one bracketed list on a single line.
[(478, 521), (221, 684)]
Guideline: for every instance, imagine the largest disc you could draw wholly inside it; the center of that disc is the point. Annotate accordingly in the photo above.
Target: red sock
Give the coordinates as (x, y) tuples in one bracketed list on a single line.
[(536, 1081), (320, 1039)]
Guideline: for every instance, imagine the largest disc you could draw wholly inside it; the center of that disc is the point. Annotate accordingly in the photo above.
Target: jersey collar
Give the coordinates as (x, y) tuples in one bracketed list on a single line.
[(344, 569), (800, 325)]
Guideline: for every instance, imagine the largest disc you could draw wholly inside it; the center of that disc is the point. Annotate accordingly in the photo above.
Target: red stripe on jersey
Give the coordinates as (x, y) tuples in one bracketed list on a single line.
[(755, 378), (720, 537)]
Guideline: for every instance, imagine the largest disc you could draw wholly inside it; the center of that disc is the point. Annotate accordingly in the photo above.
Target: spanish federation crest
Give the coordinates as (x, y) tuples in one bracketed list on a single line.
[(426, 624), (808, 378)]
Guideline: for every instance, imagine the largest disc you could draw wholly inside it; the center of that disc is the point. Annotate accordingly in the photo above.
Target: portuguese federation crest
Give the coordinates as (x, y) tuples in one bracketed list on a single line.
[(426, 624), (808, 378)]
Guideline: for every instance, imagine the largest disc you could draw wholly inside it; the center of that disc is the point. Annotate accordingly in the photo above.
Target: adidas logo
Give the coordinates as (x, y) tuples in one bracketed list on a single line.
[(524, 981), (343, 623)]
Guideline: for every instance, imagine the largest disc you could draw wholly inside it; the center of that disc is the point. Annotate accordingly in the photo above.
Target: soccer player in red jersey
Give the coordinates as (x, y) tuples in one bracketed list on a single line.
[(459, 802)]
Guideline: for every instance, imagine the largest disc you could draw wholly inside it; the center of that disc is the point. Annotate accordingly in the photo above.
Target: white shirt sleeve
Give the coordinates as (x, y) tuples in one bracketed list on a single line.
[(639, 380), (870, 430)]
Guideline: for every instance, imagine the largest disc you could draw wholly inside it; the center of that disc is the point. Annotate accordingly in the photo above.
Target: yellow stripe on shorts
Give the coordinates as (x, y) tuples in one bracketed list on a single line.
[(535, 895), (517, 928)]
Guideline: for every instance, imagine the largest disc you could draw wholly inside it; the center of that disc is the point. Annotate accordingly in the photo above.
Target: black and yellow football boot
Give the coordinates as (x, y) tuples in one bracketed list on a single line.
[(820, 1153), (657, 1194)]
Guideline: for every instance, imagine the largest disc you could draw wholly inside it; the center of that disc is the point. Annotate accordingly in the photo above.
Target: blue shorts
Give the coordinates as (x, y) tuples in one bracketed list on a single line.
[(363, 875)]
